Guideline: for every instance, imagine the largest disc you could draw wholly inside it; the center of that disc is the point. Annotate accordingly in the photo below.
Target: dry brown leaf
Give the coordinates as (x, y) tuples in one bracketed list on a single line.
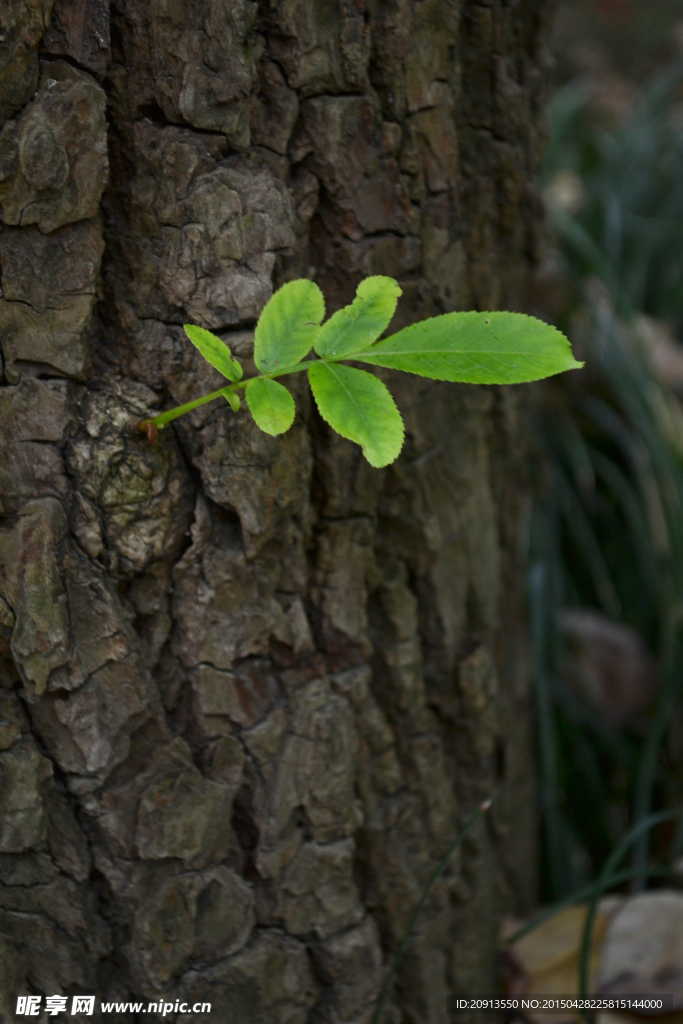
[(637, 949), (643, 948), (548, 957)]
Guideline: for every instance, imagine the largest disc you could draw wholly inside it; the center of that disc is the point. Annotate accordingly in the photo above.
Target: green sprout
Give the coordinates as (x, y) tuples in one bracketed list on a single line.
[(471, 347)]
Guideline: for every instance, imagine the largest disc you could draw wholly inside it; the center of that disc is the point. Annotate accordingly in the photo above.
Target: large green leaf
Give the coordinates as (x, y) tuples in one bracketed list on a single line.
[(288, 325), (215, 351), (356, 326), (358, 406), (478, 348), (271, 405)]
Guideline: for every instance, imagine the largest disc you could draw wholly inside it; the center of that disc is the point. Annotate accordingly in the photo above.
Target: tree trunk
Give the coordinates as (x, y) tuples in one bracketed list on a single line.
[(251, 687)]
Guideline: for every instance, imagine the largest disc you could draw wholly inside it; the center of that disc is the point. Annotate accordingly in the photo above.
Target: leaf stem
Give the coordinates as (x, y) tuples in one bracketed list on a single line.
[(292, 369), (163, 418)]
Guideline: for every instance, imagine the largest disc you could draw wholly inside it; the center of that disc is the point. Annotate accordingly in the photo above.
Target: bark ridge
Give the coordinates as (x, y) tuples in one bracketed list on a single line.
[(248, 685)]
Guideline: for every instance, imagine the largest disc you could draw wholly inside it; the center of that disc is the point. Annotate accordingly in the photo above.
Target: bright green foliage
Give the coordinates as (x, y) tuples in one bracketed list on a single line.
[(288, 326), (214, 351), (233, 400), (271, 405), (358, 405), (356, 326), (476, 348)]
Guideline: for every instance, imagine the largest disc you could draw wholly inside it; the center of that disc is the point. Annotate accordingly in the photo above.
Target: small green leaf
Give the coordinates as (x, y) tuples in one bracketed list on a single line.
[(288, 326), (233, 400), (214, 351), (271, 405), (477, 348), (358, 406), (355, 327)]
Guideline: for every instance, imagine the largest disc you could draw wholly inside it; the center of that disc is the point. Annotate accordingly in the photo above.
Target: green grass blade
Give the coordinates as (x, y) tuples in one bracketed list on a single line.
[(580, 528), (459, 839), (629, 501), (579, 239), (612, 862), (670, 689), (586, 892)]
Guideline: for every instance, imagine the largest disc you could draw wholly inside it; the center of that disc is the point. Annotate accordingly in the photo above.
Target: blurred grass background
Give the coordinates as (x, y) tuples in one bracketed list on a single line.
[(606, 535)]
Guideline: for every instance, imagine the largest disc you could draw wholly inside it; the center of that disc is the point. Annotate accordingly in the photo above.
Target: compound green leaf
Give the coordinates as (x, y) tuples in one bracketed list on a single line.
[(357, 326), (288, 325), (215, 351), (271, 405), (477, 348), (358, 406)]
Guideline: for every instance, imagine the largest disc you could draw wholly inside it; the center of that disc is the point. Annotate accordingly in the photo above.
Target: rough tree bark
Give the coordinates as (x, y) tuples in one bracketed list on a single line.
[(250, 687)]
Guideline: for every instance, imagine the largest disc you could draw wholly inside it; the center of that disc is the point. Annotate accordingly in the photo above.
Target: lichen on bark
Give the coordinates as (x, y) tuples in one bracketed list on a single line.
[(249, 686)]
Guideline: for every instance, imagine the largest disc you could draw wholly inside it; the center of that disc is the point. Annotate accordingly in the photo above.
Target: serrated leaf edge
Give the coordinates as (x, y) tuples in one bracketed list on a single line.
[(330, 364), (353, 319), (372, 350), (239, 370), (307, 323)]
